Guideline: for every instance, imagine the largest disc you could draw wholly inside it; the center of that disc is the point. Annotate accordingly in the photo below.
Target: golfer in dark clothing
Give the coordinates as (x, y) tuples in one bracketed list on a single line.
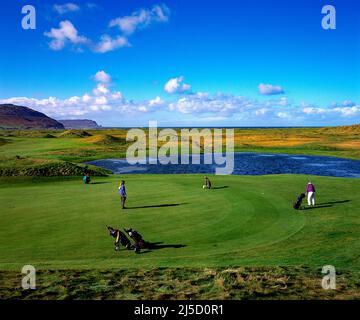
[(122, 192), (207, 183), (86, 178)]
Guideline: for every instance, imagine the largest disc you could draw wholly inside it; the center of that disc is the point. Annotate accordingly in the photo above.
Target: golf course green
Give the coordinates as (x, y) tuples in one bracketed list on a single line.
[(60, 223)]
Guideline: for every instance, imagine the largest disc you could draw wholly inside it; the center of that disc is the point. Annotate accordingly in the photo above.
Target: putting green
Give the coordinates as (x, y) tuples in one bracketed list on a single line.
[(60, 223)]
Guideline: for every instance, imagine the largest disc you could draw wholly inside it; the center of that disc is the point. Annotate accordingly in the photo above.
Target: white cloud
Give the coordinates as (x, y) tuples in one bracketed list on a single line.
[(141, 19), (261, 111), (116, 95), (108, 44), (334, 110), (101, 100), (346, 103), (65, 8), (102, 76), (283, 115), (212, 119), (348, 111), (86, 98), (269, 89), (156, 102), (64, 34), (200, 106), (176, 85), (312, 110), (100, 89), (152, 105), (67, 33), (219, 104)]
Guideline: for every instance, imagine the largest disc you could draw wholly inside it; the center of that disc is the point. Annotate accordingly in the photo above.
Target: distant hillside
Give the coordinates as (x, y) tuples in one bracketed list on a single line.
[(354, 129), (18, 117), (79, 124)]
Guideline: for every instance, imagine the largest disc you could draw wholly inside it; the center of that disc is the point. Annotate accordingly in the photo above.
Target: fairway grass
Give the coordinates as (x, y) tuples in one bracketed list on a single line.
[(59, 225)]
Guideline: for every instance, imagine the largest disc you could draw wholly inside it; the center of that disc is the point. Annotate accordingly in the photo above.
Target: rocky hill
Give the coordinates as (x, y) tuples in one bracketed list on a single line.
[(79, 124), (18, 117)]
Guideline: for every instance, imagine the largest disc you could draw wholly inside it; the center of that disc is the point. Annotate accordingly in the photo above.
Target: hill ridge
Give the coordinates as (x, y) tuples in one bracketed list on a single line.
[(20, 117)]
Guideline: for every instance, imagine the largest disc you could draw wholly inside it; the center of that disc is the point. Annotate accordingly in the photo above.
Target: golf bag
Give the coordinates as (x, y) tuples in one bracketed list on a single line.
[(140, 243), (120, 239), (297, 203)]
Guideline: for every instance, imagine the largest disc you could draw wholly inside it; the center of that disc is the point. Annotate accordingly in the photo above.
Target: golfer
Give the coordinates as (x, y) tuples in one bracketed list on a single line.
[(122, 192), (310, 190), (86, 178), (207, 183)]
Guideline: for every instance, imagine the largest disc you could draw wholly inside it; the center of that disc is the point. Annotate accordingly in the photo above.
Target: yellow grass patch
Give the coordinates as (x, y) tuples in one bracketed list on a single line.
[(352, 144), (342, 130), (103, 139), (273, 141)]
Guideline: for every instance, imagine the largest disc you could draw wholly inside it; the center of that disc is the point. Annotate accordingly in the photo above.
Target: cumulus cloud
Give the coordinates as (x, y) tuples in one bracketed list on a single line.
[(283, 115), (269, 89), (312, 110), (107, 44), (127, 25), (65, 8), (141, 19), (102, 99), (348, 111), (261, 111), (177, 85), (200, 106), (102, 76), (344, 104), (156, 102), (220, 104), (342, 110), (66, 33)]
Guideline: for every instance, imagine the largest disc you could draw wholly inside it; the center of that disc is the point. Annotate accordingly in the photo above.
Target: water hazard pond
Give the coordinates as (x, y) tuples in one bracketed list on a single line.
[(247, 164)]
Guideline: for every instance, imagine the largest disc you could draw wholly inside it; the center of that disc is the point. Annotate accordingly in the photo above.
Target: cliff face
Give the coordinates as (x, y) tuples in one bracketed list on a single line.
[(18, 117), (79, 124)]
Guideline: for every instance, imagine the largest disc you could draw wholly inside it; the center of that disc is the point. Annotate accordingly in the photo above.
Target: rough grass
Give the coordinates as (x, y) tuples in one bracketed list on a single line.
[(105, 139), (74, 134), (241, 283), (46, 168), (342, 130)]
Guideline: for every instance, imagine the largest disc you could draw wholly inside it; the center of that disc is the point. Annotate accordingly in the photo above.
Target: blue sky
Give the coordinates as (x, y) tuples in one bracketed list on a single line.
[(184, 63)]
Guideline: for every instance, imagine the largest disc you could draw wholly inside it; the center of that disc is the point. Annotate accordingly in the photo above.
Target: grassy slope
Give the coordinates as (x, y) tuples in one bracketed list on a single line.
[(35, 150), (60, 223)]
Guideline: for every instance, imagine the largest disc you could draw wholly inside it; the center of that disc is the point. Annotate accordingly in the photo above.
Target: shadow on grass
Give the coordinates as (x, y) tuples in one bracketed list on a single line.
[(217, 188), (99, 182), (159, 245), (326, 204), (317, 207), (157, 206), (335, 202)]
